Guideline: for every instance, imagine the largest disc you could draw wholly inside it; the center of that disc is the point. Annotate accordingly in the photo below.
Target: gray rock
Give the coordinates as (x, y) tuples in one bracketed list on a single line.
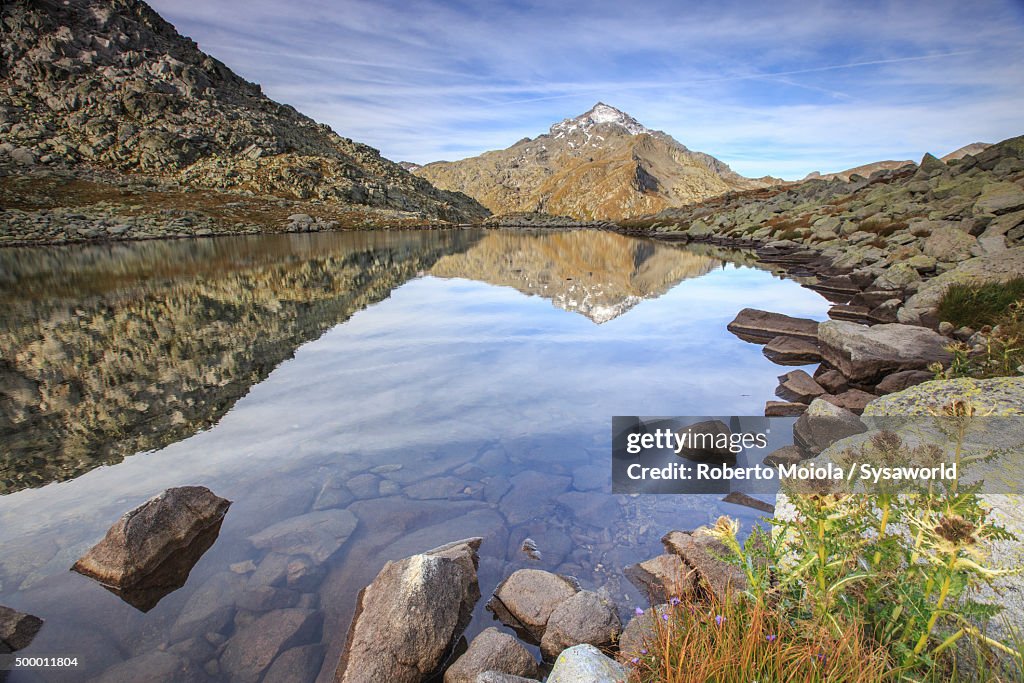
[(499, 677), (143, 538), (526, 599), (1000, 198), (316, 534), (753, 325), (640, 633), (17, 629), (586, 664), (791, 351), (251, 650), (410, 617), (701, 552), (799, 387), (823, 424), (495, 651), (864, 354), (210, 608), (948, 244), (583, 618)]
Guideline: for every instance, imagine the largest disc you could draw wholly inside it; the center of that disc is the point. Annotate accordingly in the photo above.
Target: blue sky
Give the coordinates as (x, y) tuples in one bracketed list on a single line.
[(781, 88)]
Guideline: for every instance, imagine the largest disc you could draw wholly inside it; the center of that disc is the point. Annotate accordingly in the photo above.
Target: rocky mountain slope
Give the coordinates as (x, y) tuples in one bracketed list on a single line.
[(111, 85), (600, 277), (602, 164), (864, 170), (888, 244)]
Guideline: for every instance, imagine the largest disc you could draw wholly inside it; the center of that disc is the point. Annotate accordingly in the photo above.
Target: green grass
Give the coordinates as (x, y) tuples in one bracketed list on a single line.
[(976, 306)]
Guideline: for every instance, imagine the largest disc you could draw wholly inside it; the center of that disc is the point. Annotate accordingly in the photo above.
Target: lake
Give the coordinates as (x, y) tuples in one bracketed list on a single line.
[(436, 384)]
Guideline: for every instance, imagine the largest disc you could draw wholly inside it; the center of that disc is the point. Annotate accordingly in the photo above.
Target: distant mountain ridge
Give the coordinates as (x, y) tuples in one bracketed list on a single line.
[(110, 84), (602, 164)]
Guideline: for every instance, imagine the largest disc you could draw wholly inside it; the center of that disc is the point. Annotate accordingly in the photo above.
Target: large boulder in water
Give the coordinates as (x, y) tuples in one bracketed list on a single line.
[(762, 327), (526, 599), (409, 619), (138, 543)]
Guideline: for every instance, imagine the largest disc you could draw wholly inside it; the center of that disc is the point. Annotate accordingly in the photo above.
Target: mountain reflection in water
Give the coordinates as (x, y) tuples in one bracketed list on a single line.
[(111, 350)]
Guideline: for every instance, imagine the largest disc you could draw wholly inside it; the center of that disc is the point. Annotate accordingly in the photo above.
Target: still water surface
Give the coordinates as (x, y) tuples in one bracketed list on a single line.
[(437, 385)]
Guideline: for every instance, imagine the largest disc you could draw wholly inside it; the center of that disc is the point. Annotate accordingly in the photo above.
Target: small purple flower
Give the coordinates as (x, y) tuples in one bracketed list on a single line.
[(674, 601), (635, 660), (719, 620), (643, 650), (665, 617), (639, 612), (771, 637)]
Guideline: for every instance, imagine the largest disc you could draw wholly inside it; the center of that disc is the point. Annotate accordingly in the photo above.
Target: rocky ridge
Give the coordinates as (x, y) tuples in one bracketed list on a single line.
[(108, 84), (600, 165)]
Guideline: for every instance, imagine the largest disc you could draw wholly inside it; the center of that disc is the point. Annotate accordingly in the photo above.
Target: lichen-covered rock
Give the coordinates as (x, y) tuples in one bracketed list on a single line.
[(979, 270), (586, 664), (144, 537), (997, 396)]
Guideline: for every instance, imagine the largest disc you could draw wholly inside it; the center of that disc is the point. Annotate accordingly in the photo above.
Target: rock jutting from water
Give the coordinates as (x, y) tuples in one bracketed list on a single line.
[(138, 543)]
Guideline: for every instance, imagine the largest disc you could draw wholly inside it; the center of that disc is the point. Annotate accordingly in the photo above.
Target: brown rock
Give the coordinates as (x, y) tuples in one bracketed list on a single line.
[(791, 351), (787, 455), (832, 381), (864, 354), (316, 534), (712, 437), (799, 387), (823, 424), (583, 618), (784, 409), (526, 599), (701, 552), (492, 650), (898, 381), (17, 629), (662, 577), (410, 618), (853, 400), (740, 498), (847, 312), (142, 539), (753, 325)]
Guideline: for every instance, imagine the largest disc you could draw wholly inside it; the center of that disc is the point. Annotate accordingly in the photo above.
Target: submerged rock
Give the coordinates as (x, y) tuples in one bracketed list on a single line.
[(495, 651), (411, 616), (316, 534), (586, 664), (17, 629), (142, 539), (253, 648)]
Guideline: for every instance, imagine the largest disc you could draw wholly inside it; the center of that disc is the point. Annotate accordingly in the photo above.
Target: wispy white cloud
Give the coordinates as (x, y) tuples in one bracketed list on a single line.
[(781, 88)]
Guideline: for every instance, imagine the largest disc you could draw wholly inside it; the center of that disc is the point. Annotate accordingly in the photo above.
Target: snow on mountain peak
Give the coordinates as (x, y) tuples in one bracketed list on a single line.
[(599, 113)]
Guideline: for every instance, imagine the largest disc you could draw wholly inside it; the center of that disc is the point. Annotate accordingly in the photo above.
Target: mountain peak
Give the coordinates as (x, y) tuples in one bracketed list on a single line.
[(599, 113)]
